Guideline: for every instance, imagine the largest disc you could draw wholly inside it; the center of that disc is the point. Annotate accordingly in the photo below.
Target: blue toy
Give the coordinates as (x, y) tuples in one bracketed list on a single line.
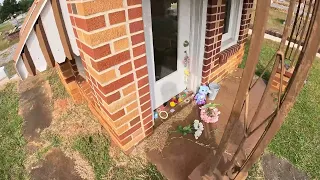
[(201, 95)]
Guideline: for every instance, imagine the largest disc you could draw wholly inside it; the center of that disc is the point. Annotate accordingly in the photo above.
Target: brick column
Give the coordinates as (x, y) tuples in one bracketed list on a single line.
[(217, 63), (110, 37), (68, 73)]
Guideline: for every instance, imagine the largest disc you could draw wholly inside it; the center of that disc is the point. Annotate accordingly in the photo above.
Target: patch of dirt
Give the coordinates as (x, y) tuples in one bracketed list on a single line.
[(55, 166), (35, 107), (83, 168), (72, 120), (154, 142), (280, 169), (46, 121)]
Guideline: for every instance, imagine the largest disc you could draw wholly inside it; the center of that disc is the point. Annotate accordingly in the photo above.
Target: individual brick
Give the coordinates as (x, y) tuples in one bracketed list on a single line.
[(132, 106), (136, 26), (144, 90), (133, 2), (140, 62), (104, 35), (104, 77), (91, 23), (137, 51), (117, 17), (96, 6), (125, 68), (116, 84), (121, 44), (142, 72), (135, 13), (113, 97), (111, 61), (138, 38), (96, 53), (129, 89)]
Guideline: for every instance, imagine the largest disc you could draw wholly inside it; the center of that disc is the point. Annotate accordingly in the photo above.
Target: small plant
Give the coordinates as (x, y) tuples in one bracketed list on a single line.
[(185, 130)]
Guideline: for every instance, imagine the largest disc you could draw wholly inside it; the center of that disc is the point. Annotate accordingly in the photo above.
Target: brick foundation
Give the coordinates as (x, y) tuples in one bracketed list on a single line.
[(276, 80), (110, 38), (217, 64), (67, 72)]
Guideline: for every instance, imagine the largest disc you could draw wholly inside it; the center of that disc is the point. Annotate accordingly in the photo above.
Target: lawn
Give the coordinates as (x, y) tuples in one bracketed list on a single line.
[(4, 43), (12, 143), (92, 144), (275, 21), (299, 138)]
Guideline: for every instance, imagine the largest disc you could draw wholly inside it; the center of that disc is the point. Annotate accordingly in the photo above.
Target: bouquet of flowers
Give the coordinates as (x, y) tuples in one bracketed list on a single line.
[(209, 113), (196, 128)]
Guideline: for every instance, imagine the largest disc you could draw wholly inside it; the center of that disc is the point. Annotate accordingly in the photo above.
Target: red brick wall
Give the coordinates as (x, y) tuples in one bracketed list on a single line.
[(217, 63), (110, 37)]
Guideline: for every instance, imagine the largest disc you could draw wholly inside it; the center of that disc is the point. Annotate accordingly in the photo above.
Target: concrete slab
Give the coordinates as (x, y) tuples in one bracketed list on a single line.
[(182, 154)]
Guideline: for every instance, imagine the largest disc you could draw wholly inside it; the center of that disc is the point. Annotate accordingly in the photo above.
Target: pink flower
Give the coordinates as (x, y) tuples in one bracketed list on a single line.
[(210, 115)]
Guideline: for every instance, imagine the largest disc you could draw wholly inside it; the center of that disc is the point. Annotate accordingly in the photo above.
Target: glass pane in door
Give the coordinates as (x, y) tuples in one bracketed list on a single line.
[(165, 36)]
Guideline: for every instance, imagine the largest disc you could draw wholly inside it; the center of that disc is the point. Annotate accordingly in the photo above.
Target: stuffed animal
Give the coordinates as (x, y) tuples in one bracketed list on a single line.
[(201, 95)]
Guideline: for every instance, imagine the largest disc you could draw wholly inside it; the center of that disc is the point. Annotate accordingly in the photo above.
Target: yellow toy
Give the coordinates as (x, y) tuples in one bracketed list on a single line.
[(180, 100), (172, 104)]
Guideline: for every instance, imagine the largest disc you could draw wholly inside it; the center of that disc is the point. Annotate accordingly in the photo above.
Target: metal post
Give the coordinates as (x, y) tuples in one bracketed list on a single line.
[(312, 44), (261, 16), (276, 65)]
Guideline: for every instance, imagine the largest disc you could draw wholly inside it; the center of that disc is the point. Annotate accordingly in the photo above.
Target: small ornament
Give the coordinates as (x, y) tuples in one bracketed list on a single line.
[(187, 72), (180, 100), (156, 115), (172, 110), (172, 104)]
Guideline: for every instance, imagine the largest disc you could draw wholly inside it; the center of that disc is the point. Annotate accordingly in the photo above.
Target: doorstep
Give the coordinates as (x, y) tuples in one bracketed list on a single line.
[(179, 155)]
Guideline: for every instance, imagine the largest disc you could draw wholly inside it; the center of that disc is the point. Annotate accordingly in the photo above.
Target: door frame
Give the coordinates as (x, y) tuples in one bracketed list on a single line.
[(197, 42), (198, 15)]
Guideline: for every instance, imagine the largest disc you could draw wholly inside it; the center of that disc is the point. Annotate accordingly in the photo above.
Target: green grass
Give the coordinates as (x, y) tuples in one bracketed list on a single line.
[(5, 27), (269, 48), (275, 21), (58, 89), (256, 172), (95, 149), (4, 43), (12, 154), (299, 138)]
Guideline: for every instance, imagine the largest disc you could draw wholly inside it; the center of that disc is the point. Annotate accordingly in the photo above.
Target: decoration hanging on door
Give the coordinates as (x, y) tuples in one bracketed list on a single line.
[(186, 62)]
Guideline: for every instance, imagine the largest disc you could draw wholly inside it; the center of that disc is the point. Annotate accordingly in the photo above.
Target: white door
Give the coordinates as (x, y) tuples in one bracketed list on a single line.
[(167, 32)]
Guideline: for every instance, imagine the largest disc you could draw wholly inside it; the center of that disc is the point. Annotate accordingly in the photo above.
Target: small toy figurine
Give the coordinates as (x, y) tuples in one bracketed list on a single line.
[(201, 95), (172, 104)]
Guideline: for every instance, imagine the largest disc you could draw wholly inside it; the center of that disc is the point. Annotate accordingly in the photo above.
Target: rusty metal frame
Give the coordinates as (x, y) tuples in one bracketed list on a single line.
[(262, 12), (286, 97), (297, 82)]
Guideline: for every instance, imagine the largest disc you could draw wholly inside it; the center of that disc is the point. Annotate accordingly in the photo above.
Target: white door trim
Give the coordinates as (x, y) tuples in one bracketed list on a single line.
[(197, 42), (147, 21), (173, 83)]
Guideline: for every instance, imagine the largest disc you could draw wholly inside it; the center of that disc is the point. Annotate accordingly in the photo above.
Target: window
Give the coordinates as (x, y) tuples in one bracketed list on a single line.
[(231, 23)]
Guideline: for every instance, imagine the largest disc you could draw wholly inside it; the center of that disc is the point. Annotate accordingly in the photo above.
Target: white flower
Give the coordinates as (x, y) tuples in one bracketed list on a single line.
[(197, 134), (196, 124), (201, 127)]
